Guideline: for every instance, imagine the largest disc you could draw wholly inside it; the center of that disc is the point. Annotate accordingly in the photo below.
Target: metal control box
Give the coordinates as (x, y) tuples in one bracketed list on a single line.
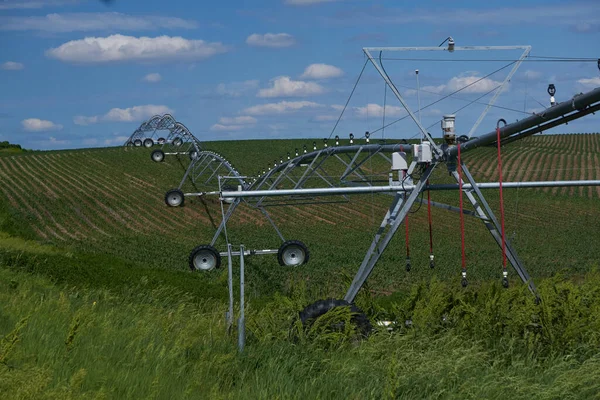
[(399, 162), (422, 152)]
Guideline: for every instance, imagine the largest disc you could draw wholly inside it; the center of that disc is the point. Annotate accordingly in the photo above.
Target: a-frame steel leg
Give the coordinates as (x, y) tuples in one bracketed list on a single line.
[(491, 223), (394, 217)]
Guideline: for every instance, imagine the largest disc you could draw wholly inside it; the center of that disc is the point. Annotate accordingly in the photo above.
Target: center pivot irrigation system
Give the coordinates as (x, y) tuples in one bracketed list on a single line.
[(178, 140), (338, 170)]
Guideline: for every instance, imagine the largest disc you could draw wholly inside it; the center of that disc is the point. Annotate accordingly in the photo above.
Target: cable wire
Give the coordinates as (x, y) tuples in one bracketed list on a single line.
[(349, 97)]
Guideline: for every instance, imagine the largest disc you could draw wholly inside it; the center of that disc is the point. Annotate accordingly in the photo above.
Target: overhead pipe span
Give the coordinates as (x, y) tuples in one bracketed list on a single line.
[(578, 103), (393, 188)]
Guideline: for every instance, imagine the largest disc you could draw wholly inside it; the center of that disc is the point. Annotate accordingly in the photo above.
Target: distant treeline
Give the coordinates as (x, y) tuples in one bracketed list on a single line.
[(7, 145)]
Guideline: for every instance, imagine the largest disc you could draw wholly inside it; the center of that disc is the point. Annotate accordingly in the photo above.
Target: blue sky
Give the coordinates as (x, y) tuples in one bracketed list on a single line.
[(78, 73)]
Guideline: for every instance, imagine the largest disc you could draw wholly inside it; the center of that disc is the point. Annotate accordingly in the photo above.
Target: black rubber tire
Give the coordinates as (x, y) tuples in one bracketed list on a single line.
[(207, 256), (137, 143), (319, 308), (148, 143), (193, 154), (129, 143), (161, 140), (174, 198), (177, 142), (282, 256), (157, 156)]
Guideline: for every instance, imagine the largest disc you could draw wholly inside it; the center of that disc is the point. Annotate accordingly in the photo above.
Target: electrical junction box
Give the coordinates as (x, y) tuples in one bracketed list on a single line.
[(422, 152), (399, 161)]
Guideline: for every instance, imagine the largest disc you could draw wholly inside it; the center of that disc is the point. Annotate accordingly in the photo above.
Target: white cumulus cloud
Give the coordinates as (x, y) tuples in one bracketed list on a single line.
[(283, 107), (12, 66), (225, 128), (244, 119), (39, 125), (153, 77), (284, 86), (87, 22), (375, 110), (129, 48), (236, 89), (131, 114), (326, 118), (233, 123), (590, 82), (321, 71), (466, 83), (271, 40)]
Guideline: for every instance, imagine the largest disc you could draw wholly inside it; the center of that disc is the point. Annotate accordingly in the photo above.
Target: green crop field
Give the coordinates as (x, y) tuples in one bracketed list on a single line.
[(97, 299)]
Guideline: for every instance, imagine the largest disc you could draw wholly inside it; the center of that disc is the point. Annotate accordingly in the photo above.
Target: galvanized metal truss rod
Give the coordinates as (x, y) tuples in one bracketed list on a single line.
[(394, 218), (397, 188), (499, 90), (226, 217), (491, 223), (438, 152)]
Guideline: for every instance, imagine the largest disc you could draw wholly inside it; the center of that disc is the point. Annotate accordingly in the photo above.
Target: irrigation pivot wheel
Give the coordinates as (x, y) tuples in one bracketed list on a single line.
[(129, 143), (177, 142), (148, 142), (313, 311), (161, 140), (204, 258), (293, 253), (193, 154), (137, 143), (174, 198), (157, 156)]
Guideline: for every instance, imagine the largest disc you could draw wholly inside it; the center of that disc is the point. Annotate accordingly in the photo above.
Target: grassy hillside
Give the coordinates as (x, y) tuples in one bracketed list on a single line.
[(97, 300)]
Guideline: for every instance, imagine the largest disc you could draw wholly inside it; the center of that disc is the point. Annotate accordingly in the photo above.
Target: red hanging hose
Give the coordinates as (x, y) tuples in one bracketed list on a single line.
[(504, 272), (462, 221), (431, 261), (407, 233)]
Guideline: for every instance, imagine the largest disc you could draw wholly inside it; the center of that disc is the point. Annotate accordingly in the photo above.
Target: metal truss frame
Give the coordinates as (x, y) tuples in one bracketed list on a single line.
[(305, 175), (178, 141)]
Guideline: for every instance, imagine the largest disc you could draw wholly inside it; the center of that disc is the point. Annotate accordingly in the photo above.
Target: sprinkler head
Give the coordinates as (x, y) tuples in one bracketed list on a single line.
[(337, 140), (464, 282), (431, 261), (407, 264), (505, 283)]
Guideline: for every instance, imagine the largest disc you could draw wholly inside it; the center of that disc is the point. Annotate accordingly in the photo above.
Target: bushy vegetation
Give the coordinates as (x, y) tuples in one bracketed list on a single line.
[(6, 147)]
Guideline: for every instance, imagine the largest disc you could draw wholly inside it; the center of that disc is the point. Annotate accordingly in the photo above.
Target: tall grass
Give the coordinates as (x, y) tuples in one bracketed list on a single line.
[(69, 342)]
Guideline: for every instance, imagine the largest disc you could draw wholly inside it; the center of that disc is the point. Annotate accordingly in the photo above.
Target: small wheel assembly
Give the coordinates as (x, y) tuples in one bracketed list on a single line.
[(161, 140), (174, 198), (204, 258), (177, 142), (157, 156), (293, 253), (137, 143), (148, 143)]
